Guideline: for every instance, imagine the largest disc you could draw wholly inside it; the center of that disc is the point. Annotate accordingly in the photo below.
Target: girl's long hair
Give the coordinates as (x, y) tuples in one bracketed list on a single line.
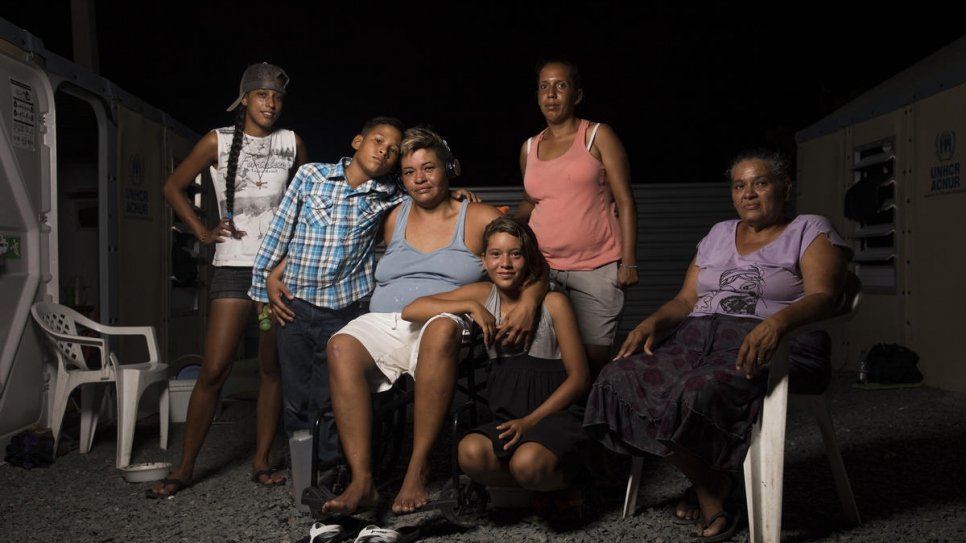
[(232, 171)]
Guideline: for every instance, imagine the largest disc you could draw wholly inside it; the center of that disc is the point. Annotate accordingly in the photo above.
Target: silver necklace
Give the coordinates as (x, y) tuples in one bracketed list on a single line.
[(259, 172)]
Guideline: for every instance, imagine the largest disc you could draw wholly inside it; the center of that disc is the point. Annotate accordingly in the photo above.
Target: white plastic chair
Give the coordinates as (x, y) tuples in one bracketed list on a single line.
[(765, 462), (64, 328)]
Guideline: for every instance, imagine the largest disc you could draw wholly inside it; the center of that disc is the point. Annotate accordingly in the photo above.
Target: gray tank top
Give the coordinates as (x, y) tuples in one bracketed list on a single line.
[(544, 343), (404, 273)]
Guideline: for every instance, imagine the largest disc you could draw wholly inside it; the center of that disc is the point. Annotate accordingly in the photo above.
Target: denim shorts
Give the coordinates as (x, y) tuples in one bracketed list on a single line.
[(230, 282)]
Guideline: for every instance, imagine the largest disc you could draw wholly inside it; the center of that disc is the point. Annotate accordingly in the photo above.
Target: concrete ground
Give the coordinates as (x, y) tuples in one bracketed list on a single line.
[(903, 448)]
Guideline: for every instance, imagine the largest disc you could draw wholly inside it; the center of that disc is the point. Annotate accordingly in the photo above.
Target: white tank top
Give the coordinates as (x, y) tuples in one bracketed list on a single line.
[(264, 170)]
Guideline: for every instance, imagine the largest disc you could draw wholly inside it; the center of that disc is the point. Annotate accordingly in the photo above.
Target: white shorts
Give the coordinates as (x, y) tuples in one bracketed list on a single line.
[(393, 343)]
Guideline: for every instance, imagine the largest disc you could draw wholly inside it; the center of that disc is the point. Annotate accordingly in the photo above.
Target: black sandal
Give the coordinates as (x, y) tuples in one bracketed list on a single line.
[(178, 485), (268, 473), (731, 526)]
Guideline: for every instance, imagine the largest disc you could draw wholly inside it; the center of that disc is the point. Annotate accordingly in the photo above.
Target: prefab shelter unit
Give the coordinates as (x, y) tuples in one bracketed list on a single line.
[(82, 219), (886, 168)]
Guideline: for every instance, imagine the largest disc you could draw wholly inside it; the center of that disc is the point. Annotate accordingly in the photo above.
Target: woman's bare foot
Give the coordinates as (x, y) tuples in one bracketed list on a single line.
[(413, 494), (359, 493), (688, 509)]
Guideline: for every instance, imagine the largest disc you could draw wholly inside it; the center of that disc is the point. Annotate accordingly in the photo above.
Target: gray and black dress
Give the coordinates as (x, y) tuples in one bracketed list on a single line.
[(519, 382)]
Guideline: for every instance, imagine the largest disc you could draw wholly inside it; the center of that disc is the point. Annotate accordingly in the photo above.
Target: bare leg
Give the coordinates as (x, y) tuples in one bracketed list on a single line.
[(534, 467), (269, 406), (349, 363), (435, 385), (711, 487), (477, 460), (226, 323)]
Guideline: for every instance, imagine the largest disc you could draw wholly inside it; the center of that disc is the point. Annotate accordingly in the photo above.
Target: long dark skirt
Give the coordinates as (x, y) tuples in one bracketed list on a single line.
[(688, 394)]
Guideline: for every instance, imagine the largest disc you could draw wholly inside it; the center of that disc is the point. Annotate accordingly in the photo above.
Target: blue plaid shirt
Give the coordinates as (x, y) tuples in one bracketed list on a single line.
[(328, 230)]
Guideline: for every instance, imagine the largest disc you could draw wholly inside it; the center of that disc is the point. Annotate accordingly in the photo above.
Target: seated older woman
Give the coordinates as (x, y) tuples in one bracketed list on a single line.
[(694, 393)]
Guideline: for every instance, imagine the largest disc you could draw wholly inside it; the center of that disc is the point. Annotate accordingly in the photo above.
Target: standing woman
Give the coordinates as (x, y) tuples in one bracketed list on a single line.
[(251, 164), (576, 175)]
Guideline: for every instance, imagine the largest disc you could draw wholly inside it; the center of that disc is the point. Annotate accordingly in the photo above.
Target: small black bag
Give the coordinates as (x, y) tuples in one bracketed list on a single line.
[(891, 364), (33, 448)]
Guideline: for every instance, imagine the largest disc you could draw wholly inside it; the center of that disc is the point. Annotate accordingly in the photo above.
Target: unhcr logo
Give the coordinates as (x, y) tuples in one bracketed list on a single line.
[(137, 169), (945, 145), (945, 177)]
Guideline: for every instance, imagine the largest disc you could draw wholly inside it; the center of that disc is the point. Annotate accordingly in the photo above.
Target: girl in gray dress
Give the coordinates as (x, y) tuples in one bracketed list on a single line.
[(535, 395)]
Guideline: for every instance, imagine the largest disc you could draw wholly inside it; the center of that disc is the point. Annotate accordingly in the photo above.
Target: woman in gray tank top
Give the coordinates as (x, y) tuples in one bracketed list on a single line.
[(433, 245)]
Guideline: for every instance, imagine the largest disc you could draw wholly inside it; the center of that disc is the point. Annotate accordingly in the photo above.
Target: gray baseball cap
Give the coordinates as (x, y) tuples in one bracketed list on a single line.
[(261, 76)]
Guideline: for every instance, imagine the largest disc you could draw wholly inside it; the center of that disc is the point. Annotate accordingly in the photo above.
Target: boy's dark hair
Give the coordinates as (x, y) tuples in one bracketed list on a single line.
[(376, 121)]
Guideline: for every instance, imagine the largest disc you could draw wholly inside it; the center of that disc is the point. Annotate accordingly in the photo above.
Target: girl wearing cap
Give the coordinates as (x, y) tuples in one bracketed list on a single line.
[(251, 164)]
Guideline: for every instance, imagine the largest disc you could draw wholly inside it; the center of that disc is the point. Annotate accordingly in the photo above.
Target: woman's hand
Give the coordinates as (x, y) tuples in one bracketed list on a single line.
[(218, 234), (517, 326), (626, 277), (758, 347), (512, 431), (642, 334), (276, 291), (485, 320), (464, 194)]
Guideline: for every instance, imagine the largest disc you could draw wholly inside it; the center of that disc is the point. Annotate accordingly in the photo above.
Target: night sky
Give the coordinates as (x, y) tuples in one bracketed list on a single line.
[(685, 87)]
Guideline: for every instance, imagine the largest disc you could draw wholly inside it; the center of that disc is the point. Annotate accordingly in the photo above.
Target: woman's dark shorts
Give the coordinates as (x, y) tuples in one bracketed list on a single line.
[(230, 282)]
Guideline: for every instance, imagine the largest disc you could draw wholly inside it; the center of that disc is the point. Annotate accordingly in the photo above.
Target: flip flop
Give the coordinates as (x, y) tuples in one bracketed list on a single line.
[(375, 534), (256, 477), (731, 526), (177, 483), (325, 533)]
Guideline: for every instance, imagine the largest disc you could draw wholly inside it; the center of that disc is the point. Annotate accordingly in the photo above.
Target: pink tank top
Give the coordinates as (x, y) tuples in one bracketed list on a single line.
[(574, 215)]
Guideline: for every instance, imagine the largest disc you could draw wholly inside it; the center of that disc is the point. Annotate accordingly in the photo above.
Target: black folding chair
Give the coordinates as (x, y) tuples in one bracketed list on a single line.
[(390, 417)]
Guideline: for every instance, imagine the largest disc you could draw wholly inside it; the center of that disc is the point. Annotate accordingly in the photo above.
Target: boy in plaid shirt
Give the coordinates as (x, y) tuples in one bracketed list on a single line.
[(320, 248)]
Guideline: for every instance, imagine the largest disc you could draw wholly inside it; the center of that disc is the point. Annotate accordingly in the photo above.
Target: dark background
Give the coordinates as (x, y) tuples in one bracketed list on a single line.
[(684, 86)]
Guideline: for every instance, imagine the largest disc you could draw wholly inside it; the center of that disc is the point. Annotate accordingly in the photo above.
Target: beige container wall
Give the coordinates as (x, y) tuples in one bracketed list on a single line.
[(924, 312), (821, 181), (146, 151), (936, 249), (825, 170), (140, 243), (184, 334)]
